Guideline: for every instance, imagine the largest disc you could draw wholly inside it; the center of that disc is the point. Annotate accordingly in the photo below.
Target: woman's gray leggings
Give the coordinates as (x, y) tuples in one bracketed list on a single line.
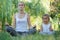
[(14, 33)]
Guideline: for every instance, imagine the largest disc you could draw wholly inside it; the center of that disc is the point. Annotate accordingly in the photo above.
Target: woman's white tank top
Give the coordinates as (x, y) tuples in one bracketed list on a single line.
[(21, 23), (46, 27)]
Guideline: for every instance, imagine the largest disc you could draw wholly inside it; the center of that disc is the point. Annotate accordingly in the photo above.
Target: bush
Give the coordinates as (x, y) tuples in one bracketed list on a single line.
[(5, 36)]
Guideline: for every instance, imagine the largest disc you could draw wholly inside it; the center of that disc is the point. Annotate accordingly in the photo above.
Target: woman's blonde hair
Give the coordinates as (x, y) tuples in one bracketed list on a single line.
[(21, 2)]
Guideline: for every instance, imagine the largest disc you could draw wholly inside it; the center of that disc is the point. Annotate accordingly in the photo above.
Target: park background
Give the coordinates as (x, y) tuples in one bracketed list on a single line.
[(35, 8)]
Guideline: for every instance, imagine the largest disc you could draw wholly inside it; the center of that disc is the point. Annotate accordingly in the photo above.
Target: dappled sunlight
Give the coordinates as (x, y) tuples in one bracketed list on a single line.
[(46, 4)]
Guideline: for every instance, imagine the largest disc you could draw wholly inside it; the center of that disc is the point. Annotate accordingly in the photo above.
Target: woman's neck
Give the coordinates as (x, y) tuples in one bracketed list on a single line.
[(21, 12)]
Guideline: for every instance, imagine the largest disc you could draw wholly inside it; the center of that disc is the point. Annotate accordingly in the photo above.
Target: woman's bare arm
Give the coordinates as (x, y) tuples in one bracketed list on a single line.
[(29, 23), (14, 22)]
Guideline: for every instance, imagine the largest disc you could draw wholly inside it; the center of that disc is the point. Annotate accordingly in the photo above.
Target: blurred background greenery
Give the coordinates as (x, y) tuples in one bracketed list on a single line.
[(36, 8)]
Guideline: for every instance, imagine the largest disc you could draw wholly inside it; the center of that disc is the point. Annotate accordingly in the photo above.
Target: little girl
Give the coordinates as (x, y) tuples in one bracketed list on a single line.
[(46, 27)]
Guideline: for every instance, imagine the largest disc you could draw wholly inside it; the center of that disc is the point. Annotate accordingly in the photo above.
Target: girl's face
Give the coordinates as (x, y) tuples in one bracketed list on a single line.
[(21, 6), (45, 19)]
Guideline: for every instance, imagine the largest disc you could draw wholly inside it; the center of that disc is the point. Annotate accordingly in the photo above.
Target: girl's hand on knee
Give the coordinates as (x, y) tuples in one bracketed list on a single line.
[(51, 29)]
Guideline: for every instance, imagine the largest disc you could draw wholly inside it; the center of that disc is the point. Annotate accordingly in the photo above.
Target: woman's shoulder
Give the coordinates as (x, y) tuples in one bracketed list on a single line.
[(27, 15), (15, 14)]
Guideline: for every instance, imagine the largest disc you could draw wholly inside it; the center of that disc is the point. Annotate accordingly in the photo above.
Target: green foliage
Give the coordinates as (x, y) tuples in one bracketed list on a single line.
[(35, 8), (5, 36), (7, 9), (56, 8), (58, 15)]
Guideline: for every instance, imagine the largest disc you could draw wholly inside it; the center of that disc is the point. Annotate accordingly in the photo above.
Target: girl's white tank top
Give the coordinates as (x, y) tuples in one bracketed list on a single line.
[(21, 23), (46, 27)]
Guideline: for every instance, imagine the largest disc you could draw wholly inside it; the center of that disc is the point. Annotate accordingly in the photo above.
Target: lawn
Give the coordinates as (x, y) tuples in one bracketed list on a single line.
[(6, 36), (37, 37)]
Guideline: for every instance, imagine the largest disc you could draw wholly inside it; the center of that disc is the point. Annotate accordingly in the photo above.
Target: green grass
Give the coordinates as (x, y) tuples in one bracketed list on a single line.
[(6, 36), (37, 37)]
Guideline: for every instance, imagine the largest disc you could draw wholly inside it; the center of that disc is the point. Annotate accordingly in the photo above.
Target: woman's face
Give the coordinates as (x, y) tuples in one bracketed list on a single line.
[(21, 6), (45, 19)]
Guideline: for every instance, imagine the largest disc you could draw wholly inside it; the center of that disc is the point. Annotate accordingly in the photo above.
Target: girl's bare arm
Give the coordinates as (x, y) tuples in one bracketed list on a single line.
[(51, 28), (41, 29)]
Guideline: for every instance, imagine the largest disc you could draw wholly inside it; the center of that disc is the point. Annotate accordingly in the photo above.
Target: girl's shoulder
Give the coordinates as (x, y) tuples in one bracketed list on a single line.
[(46, 24), (50, 23)]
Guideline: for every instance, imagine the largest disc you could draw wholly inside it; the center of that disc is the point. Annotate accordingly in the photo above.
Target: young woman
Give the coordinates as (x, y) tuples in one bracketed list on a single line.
[(46, 27), (21, 20)]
